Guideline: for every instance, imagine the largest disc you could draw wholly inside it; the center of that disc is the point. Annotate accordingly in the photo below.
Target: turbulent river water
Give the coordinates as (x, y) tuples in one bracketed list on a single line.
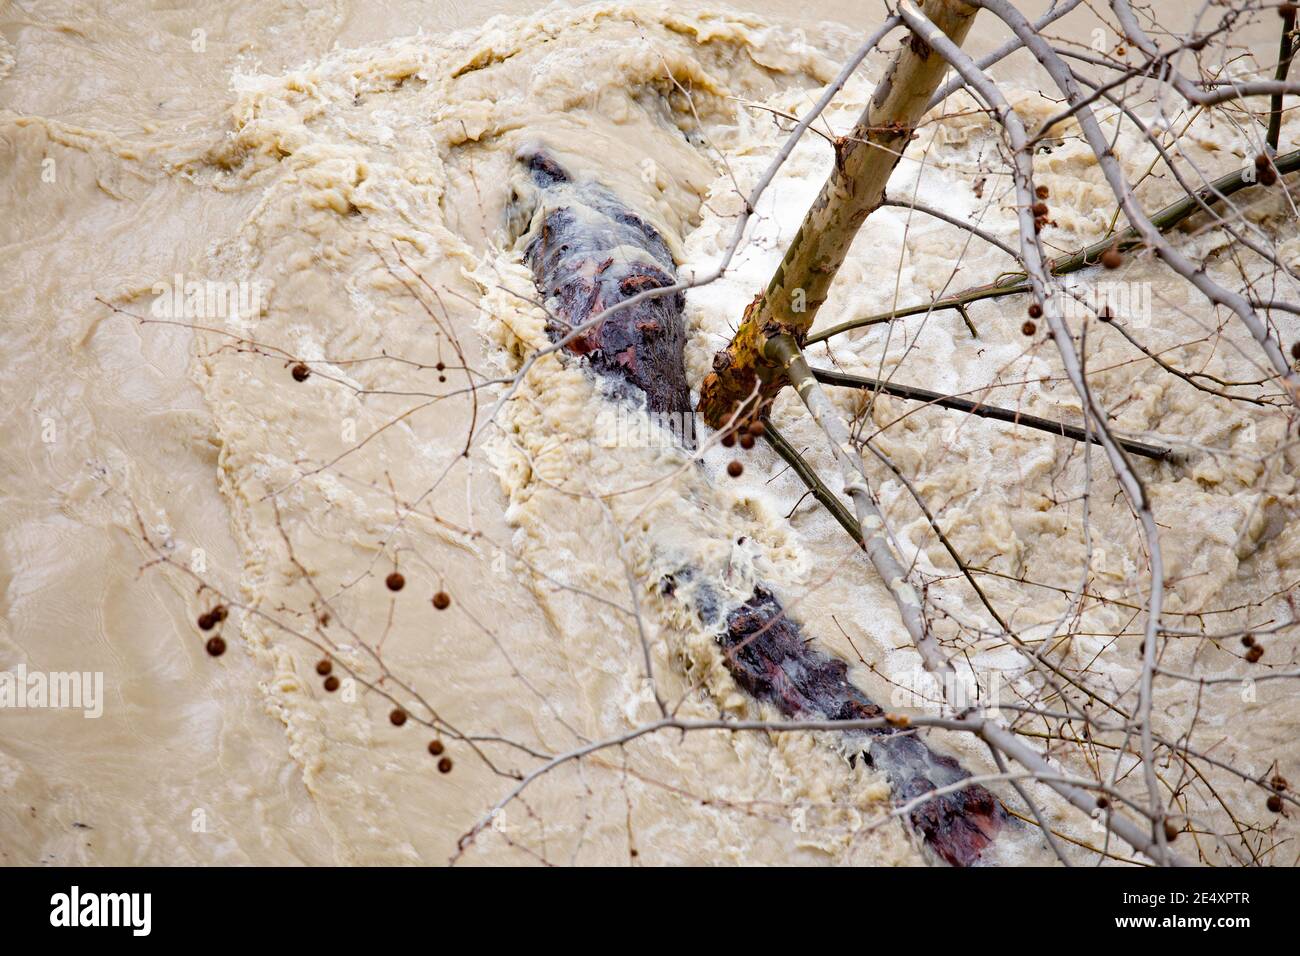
[(337, 183)]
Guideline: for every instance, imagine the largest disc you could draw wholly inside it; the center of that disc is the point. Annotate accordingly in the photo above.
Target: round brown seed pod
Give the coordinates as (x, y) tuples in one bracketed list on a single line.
[(1172, 830), (206, 621), (216, 646), (1254, 654), (1278, 783), (1035, 310), (324, 666), (1112, 258), (397, 717), (1295, 351), (442, 600), (1102, 801), (331, 684), (1274, 803), (436, 748), (747, 441), (1248, 640), (728, 440), (1029, 328), (219, 613), (1267, 177), (1040, 209), (395, 581), (757, 428), (444, 765), (301, 372), (735, 469), (1041, 192)]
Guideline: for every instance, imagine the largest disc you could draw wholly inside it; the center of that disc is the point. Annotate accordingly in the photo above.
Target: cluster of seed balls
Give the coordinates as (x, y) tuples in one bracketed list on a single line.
[(216, 646), (301, 371), (745, 435), (1173, 825)]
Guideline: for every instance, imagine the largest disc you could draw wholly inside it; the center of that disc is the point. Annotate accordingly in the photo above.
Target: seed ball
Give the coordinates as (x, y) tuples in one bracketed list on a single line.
[(206, 621), (218, 613), (331, 684), (1274, 803), (216, 646), (747, 441), (442, 600), (395, 581), (1261, 161), (1035, 310), (1267, 177), (1248, 640), (735, 469), (1040, 209), (728, 440), (1278, 783), (323, 667), (1295, 351), (1284, 8), (1112, 258), (444, 765), (1172, 830), (436, 748), (1254, 654), (756, 427), (1041, 192), (1104, 314), (1028, 328), (440, 367), (397, 717), (1103, 802), (301, 372)]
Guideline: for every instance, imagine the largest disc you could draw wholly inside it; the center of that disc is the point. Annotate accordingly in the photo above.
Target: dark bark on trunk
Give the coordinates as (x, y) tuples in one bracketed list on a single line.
[(588, 252)]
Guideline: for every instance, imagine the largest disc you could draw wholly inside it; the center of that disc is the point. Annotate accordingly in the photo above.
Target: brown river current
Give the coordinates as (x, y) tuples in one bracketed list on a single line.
[(334, 181)]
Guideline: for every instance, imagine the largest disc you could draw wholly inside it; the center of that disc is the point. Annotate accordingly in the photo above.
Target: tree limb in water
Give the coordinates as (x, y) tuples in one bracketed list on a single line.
[(587, 253), (864, 161)]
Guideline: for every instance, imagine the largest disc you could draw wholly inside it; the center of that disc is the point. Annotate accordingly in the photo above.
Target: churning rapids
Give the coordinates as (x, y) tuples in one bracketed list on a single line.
[(263, 290)]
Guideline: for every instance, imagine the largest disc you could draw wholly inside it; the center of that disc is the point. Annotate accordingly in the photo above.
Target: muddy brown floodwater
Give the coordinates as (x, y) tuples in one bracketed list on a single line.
[(310, 212)]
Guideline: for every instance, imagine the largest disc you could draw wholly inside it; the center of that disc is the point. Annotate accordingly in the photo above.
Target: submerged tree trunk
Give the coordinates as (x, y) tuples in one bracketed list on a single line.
[(587, 253), (864, 161)]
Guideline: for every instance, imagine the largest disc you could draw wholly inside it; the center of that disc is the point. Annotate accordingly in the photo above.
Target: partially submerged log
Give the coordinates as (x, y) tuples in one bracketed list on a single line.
[(588, 252)]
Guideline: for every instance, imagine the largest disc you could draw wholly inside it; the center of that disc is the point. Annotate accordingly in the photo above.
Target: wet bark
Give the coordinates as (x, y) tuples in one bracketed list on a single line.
[(864, 160), (588, 252)]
